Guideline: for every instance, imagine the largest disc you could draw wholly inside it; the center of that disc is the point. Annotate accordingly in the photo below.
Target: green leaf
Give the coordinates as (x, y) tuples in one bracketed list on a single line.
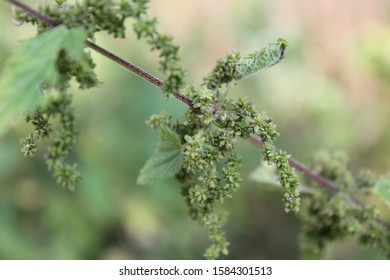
[(382, 189), (33, 64), (166, 160), (263, 59)]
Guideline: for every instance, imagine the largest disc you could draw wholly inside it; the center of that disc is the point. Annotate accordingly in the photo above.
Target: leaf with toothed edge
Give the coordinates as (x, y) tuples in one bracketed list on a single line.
[(260, 60), (166, 160), (32, 65)]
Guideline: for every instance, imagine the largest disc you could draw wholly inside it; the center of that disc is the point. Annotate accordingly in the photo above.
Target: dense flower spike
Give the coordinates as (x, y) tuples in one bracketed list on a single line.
[(211, 168)]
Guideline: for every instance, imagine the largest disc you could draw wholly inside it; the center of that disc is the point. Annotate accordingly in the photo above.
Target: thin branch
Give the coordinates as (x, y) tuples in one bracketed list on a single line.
[(157, 82), (301, 168), (43, 18), (137, 70)]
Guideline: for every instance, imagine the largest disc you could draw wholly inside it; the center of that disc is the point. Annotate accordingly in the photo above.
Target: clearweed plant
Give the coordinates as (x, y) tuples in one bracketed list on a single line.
[(199, 149)]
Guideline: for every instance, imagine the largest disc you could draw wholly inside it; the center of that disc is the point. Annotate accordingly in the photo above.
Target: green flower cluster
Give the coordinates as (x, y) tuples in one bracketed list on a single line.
[(62, 138), (244, 121), (62, 141), (224, 71), (42, 129), (210, 167), (92, 15), (327, 217)]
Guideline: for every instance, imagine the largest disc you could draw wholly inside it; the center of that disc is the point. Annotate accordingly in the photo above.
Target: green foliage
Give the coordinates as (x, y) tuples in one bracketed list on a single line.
[(32, 69), (60, 57), (382, 190), (199, 149), (166, 160), (263, 59)]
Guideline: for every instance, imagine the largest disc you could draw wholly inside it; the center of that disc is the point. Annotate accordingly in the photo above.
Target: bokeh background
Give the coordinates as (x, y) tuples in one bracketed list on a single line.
[(331, 92)]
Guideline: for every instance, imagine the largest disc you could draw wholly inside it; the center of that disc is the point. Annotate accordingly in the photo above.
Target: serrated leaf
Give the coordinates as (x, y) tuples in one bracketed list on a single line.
[(263, 59), (32, 64), (166, 160), (382, 189)]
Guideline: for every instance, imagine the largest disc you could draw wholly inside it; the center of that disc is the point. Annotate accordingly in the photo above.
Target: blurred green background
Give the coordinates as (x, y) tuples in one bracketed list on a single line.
[(332, 91)]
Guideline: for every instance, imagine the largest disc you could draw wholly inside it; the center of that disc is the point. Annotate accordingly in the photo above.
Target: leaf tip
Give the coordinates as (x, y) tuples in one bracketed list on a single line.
[(283, 42)]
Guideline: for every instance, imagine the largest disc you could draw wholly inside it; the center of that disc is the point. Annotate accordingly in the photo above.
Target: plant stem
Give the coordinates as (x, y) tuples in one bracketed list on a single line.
[(157, 82), (301, 168), (43, 18), (137, 70)]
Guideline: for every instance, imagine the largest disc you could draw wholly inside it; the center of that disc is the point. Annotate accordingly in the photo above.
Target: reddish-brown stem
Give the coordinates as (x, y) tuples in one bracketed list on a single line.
[(314, 176), (43, 18), (137, 70), (301, 168), (157, 82)]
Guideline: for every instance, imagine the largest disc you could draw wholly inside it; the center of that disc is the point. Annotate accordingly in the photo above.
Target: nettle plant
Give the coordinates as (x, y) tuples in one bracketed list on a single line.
[(198, 150)]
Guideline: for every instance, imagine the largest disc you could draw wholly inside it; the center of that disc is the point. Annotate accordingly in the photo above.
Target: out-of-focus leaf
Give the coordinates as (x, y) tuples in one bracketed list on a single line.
[(32, 64), (260, 60), (374, 55), (166, 160), (265, 175), (382, 189)]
